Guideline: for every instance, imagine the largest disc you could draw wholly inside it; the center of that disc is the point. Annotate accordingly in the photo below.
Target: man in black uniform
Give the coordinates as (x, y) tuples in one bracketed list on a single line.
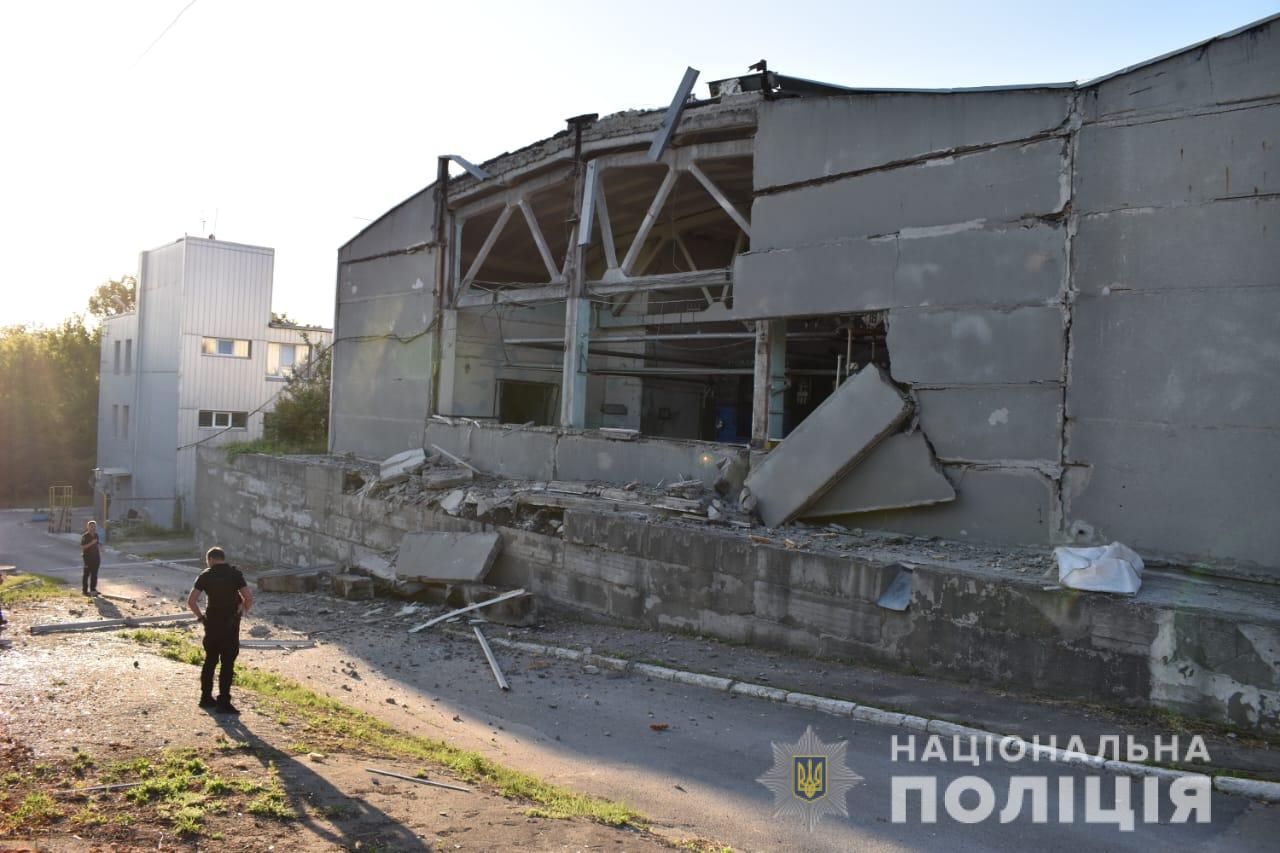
[(228, 598), (91, 551)]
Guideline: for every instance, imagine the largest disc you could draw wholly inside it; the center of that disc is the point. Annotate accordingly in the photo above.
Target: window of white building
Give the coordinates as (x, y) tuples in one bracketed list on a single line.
[(225, 347), (209, 419), (284, 359)]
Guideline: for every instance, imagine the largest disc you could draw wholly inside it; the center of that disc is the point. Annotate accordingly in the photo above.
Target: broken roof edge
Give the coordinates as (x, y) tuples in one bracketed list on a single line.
[(1261, 22), (613, 131)]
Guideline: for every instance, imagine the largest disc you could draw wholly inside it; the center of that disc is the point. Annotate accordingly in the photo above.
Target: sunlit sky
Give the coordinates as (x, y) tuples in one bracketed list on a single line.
[(291, 124)]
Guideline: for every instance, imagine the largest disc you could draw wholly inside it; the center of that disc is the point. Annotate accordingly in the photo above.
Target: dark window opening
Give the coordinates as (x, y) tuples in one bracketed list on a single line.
[(526, 402)]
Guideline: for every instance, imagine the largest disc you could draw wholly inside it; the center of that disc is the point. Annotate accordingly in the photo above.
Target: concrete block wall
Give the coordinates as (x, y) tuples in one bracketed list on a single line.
[(1212, 659), (1173, 408), (947, 211)]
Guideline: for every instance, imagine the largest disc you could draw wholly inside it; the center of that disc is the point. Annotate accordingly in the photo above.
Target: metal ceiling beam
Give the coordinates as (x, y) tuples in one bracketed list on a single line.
[(667, 129)]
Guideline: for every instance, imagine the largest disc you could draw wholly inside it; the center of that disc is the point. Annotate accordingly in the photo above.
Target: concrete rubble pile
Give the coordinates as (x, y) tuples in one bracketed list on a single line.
[(434, 478)]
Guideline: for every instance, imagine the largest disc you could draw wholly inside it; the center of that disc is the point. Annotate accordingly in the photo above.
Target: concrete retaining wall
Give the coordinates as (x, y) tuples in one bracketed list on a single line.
[(1212, 657)]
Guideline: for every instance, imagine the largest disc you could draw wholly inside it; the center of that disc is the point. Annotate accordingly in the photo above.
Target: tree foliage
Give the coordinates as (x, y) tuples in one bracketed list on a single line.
[(48, 409), (300, 419), (115, 296)]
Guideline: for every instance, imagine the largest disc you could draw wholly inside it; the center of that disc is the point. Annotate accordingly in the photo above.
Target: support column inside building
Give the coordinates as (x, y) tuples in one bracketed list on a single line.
[(769, 382)]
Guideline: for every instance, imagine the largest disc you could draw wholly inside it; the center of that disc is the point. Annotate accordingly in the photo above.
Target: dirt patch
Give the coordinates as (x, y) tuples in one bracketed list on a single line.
[(86, 710)]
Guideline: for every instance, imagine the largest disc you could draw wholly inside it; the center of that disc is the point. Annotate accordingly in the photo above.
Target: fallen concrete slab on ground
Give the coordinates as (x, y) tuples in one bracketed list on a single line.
[(447, 557)]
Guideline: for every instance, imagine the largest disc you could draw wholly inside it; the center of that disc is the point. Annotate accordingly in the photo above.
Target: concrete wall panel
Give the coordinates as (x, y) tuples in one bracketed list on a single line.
[(381, 391), (985, 424), (592, 457), (1180, 492), (808, 138), (899, 472), (396, 274), (527, 453), (1185, 160), (1243, 67), (992, 505), (999, 185), (407, 224), (1220, 244), (976, 346), (1018, 266), (1208, 358)]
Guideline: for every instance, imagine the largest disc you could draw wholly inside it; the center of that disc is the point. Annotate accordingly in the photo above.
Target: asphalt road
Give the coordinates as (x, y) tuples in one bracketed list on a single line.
[(591, 731)]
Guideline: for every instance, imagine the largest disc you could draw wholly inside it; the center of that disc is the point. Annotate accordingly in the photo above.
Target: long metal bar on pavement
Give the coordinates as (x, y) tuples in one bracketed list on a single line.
[(277, 644), (418, 780), (493, 661), (126, 622), (506, 596)]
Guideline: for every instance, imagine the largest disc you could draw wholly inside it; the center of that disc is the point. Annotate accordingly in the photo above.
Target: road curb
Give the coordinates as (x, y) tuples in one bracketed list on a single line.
[(1268, 792)]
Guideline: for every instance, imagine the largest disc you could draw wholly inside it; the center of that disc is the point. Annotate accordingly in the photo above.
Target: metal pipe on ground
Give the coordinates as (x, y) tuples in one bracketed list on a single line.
[(488, 655)]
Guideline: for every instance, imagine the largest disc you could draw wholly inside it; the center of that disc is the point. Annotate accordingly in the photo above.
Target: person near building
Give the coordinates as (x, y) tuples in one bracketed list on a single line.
[(91, 551), (227, 599)]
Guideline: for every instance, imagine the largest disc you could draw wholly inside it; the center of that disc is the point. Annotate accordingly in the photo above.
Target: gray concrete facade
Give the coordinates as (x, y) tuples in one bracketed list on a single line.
[(1079, 285), (1209, 656)]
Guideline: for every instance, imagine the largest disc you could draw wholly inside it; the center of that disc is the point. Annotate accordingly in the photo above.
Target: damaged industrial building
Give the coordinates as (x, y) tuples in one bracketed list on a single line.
[(1011, 317)]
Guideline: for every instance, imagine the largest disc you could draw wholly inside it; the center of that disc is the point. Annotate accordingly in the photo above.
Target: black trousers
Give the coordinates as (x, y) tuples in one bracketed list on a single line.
[(220, 647), (89, 582)]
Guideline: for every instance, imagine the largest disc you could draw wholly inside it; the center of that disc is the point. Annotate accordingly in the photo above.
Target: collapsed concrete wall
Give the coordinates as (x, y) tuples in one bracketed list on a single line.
[(1081, 287), (947, 211), (1211, 657), (1172, 413), (1078, 284)]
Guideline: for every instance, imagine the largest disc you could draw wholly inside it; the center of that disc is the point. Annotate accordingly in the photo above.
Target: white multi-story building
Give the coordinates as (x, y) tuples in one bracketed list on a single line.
[(197, 362)]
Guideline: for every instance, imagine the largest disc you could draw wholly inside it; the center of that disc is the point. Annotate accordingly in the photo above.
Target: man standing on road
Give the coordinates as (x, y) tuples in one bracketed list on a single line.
[(228, 598), (91, 550)]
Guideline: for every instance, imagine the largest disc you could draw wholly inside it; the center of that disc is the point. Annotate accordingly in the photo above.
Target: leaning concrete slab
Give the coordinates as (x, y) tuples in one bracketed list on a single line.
[(899, 472), (826, 445), (447, 556)]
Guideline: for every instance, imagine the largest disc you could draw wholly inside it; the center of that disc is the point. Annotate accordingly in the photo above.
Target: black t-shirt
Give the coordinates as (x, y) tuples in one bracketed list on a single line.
[(92, 554), (222, 584)]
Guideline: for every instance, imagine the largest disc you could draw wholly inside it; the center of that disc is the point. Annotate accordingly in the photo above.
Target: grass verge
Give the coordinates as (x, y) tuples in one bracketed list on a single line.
[(272, 448), (339, 727), (176, 788), (24, 589)]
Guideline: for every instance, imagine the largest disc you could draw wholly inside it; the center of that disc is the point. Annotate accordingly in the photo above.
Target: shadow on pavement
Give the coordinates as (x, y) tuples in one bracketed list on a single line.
[(304, 787)]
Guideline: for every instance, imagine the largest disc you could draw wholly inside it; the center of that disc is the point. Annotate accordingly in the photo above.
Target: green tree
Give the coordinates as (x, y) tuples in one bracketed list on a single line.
[(48, 409), (115, 296), (300, 419)]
